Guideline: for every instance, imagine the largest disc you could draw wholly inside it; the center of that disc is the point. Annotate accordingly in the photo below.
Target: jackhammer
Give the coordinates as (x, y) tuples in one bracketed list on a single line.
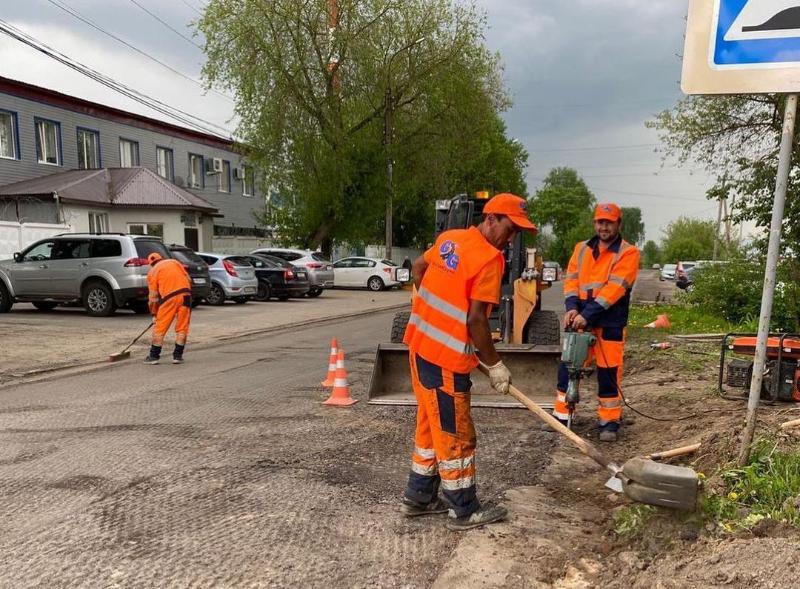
[(574, 352)]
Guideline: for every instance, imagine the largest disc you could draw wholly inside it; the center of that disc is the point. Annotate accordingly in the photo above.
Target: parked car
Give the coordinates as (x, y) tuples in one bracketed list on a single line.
[(278, 278), (232, 277), (197, 269), (320, 270), (101, 271), (668, 272), (686, 281), (680, 272), (372, 273)]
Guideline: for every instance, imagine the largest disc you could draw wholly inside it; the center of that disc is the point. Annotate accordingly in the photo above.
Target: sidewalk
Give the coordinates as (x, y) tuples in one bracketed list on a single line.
[(34, 340)]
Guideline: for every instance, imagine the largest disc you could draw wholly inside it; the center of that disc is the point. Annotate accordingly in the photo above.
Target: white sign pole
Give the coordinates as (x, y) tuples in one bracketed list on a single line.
[(773, 252)]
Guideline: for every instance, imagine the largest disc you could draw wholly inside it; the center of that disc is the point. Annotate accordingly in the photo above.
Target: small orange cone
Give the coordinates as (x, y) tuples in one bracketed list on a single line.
[(341, 390), (328, 382), (661, 321)]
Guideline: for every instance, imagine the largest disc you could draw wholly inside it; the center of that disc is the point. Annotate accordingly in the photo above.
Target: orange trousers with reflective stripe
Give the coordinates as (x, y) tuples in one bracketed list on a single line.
[(608, 356), (175, 309), (444, 441)]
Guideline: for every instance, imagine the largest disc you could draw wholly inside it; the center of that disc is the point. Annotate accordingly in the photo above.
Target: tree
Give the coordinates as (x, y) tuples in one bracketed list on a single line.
[(327, 101), (651, 254), (688, 239), (632, 225)]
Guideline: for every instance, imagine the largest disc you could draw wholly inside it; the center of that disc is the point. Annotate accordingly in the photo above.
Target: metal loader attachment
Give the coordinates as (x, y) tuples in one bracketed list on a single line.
[(532, 366)]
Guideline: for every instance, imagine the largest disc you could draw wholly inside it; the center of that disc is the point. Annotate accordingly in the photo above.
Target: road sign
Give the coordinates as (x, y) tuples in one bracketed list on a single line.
[(742, 46)]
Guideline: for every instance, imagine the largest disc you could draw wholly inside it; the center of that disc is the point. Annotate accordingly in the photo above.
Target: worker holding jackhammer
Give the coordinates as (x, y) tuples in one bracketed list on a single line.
[(457, 281), (597, 291), (170, 299)]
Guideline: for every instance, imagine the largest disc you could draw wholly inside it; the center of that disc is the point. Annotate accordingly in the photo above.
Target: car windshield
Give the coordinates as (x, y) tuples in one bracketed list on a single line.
[(669, 267), (279, 262), (210, 260), (319, 257), (238, 261), (388, 263), (145, 247), (187, 256)]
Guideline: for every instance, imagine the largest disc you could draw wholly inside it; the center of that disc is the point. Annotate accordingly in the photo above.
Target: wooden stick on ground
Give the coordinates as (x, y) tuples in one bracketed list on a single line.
[(790, 424), (682, 451)]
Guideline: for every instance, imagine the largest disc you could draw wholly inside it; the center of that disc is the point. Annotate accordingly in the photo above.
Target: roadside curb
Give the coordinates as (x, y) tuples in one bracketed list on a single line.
[(52, 373)]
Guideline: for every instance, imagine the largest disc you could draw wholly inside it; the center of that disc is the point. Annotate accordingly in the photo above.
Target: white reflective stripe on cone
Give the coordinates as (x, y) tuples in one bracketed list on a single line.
[(457, 464), (427, 471), (340, 382), (426, 453), (339, 363), (331, 366), (456, 484)]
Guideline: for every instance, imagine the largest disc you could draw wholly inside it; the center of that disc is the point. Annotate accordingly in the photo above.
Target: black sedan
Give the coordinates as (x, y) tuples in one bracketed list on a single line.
[(197, 269), (278, 278)]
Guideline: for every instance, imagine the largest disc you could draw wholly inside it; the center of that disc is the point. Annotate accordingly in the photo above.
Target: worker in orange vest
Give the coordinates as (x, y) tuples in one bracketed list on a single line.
[(458, 281), (597, 292), (170, 298)]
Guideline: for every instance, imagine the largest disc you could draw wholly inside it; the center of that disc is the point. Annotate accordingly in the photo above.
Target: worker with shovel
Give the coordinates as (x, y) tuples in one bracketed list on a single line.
[(597, 291), (170, 299), (457, 281)]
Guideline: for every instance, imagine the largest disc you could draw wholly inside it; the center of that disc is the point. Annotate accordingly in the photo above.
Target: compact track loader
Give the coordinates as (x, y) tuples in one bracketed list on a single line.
[(526, 337)]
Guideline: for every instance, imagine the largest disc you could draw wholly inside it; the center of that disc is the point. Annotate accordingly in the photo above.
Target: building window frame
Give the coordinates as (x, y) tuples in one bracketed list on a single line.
[(248, 181), (200, 181), (171, 163), (16, 154), (99, 222), (136, 152), (96, 133), (147, 228), (59, 153), (224, 181)]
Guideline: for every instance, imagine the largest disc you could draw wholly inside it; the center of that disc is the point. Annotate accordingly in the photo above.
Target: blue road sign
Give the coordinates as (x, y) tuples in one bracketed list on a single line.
[(755, 33)]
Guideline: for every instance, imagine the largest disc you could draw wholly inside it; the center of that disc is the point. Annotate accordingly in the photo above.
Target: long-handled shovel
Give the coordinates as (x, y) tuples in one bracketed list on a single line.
[(124, 354), (639, 478)]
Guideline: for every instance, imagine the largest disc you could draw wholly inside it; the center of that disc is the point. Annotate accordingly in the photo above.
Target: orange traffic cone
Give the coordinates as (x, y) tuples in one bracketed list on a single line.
[(341, 390), (661, 321), (328, 382)]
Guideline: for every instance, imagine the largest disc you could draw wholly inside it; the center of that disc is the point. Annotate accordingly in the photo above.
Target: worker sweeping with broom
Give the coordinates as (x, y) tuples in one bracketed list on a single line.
[(170, 299)]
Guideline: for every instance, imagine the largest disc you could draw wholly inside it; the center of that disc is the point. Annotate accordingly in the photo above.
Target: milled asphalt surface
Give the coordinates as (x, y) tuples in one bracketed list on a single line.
[(228, 472)]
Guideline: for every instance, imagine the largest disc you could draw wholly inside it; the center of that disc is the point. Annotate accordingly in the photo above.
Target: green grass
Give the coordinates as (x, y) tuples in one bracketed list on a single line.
[(631, 520), (683, 318), (769, 486)]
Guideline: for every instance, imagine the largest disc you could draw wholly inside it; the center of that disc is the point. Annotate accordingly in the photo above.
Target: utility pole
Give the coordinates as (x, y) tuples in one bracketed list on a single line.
[(716, 230)]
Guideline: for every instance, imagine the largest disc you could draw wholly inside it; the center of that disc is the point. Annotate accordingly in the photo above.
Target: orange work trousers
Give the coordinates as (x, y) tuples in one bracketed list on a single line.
[(607, 353), (444, 442), (178, 309)]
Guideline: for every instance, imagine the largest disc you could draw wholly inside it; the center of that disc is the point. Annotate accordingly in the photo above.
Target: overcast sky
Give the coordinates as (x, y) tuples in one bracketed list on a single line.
[(585, 76)]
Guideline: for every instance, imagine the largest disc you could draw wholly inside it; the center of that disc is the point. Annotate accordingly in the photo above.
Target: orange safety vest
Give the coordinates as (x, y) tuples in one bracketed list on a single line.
[(437, 329), (599, 281), (167, 279)]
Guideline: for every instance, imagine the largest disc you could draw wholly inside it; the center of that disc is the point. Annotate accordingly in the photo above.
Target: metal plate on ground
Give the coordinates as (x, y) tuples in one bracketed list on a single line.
[(534, 370)]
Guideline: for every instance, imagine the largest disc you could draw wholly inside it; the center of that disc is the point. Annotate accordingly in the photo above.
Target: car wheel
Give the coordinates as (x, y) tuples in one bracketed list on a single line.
[(399, 324), (216, 296), (241, 300), (314, 293), (5, 299), (375, 284), (98, 300), (139, 307), (283, 297), (45, 305), (264, 292)]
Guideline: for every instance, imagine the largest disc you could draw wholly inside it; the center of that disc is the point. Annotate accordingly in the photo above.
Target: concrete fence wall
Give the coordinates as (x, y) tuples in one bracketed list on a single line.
[(236, 244), (15, 237)]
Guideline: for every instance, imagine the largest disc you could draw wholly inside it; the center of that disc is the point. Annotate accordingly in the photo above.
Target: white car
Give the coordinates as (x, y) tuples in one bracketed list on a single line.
[(373, 273)]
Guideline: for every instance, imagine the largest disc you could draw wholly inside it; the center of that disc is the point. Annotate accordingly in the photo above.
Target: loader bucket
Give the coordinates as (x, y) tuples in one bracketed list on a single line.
[(533, 367)]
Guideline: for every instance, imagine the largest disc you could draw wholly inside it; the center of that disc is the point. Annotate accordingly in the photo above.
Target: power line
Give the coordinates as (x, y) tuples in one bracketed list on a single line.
[(192, 7), (72, 12), (166, 24), (170, 111)]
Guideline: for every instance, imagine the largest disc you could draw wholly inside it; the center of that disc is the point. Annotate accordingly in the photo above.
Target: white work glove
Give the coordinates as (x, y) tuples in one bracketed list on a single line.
[(499, 376)]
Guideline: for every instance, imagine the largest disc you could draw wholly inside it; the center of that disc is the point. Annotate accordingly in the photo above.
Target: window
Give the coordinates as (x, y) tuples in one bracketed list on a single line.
[(363, 263), (346, 263), (48, 142), (88, 149), (8, 135), (224, 184), (39, 252), (248, 181), (145, 247), (70, 249), (128, 153), (195, 170), (165, 165), (106, 248), (98, 223), (155, 229)]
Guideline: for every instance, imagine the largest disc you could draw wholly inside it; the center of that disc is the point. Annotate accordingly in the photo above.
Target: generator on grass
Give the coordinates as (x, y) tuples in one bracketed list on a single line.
[(782, 375)]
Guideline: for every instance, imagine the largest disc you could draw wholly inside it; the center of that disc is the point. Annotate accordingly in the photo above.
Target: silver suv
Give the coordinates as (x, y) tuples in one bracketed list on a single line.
[(320, 270), (101, 271)]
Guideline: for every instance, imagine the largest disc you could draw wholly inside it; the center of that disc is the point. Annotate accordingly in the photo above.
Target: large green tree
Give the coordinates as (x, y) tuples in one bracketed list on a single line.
[(324, 109), (632, 225), (688, 239)]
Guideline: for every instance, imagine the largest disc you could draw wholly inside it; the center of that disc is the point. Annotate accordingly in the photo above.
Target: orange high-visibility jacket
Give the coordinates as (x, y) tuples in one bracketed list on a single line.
[(599, 281), (437, 329), (168, 279)]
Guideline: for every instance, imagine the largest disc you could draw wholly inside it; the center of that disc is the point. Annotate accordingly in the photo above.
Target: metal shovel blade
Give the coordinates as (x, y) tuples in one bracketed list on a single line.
[(664, 485)]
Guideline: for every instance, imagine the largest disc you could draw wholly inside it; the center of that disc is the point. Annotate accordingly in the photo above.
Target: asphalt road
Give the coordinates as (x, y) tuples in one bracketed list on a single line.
[(228, 472)]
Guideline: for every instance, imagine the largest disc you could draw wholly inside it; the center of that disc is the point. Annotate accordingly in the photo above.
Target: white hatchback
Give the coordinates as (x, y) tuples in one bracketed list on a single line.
[(373, 273)]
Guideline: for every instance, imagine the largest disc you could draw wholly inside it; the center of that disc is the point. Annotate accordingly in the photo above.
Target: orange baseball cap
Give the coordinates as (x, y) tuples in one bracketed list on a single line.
[(154, 258), (608, 211), (513, 207)]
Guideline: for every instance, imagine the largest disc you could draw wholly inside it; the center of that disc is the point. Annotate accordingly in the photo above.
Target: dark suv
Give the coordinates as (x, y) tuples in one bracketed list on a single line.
[(197, 269), (101, 271)]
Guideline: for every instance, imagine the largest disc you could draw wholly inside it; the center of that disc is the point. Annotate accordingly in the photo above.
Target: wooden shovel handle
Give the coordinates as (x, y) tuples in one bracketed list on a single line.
[(578, 441), (682, 451), (790, 424)]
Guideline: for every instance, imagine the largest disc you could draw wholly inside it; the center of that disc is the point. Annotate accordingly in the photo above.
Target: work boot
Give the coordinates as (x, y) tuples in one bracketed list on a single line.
[(609, 432), (411, 508), (177, 360), (177, 354), (488, 514), (545, 427), (154, 356)]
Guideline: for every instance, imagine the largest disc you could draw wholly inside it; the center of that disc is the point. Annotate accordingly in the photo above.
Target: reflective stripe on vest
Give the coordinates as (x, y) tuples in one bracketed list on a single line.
[(585, 288), (440, 336), (442, 305)]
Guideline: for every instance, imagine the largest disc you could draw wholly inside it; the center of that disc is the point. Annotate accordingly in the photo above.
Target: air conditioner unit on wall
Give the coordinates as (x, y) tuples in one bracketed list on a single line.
[(238, 172), (213, 165)]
